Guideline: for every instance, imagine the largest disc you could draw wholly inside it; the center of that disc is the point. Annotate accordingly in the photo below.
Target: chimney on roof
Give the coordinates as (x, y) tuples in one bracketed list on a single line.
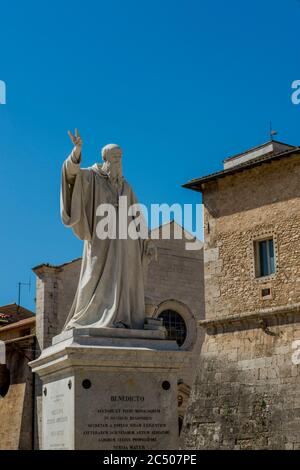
[(272, 147)]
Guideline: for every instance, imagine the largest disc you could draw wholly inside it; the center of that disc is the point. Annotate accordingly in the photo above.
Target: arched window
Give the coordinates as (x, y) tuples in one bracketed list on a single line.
[(175, 326)]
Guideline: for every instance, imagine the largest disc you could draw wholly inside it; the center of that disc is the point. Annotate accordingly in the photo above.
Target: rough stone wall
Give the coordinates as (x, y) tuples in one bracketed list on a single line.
[(11, 409), (246, 393), (67, 280), (238, 209), (177, 274), (55, 291), (16, 406)]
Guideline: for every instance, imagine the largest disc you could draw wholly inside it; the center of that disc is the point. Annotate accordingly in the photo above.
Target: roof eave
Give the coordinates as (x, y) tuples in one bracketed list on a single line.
[(197, 183)]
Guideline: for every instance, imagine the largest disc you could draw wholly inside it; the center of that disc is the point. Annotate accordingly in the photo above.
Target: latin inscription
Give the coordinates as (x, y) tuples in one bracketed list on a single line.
[(124, 428), (56, 421)]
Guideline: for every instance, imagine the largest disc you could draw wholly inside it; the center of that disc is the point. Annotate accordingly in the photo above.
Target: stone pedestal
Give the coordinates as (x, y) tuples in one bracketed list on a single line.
[(110, 389)]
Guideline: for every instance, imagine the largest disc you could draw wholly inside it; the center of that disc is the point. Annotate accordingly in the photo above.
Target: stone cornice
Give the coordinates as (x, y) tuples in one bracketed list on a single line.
[(256, 319)]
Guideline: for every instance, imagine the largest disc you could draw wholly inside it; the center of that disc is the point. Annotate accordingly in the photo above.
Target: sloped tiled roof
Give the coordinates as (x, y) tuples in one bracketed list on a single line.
[(12, 313)]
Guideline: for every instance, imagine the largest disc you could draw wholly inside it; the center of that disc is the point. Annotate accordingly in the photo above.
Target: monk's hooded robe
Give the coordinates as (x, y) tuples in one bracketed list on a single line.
[(111, 283)]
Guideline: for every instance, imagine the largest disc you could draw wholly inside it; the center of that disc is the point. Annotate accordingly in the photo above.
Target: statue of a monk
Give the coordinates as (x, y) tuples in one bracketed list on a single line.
[(110, 292)]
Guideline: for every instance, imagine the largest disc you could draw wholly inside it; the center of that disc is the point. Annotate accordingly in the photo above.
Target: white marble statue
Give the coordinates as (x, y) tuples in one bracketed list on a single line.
[(110, 292)]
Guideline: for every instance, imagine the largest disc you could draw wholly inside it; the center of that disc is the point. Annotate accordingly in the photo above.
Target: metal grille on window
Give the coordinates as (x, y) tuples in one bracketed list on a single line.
[(175, 326)]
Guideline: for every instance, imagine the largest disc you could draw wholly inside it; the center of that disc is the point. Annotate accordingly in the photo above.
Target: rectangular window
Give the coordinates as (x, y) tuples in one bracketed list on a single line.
[(265, 258)]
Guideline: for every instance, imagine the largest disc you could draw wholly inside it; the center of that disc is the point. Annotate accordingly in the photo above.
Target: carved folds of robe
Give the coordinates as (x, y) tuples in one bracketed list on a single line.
[(111, 283)]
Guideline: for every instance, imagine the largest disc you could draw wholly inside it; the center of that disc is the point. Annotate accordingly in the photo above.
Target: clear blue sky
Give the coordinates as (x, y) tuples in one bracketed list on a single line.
[(179, 84)]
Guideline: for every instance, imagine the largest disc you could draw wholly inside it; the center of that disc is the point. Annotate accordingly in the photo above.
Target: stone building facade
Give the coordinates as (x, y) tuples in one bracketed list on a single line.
[(246, 393)]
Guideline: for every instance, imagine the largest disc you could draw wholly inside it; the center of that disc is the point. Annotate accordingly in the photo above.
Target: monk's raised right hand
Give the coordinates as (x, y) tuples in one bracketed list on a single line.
[(76, 139)]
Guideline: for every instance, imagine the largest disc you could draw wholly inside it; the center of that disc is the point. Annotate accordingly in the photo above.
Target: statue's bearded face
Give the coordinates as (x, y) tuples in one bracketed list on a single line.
[(113, 166)]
